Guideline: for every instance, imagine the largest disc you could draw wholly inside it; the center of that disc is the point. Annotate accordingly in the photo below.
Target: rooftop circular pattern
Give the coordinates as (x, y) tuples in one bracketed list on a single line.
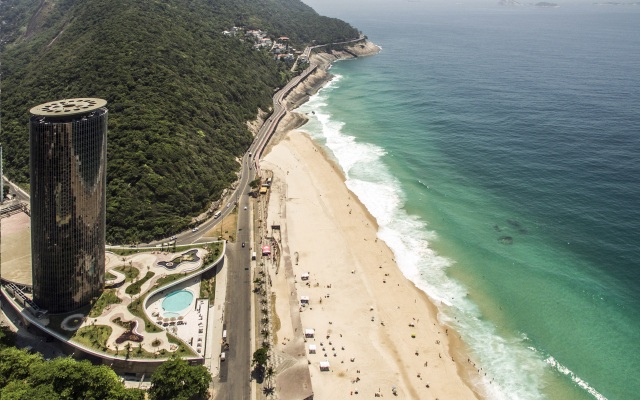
[(65, 107)]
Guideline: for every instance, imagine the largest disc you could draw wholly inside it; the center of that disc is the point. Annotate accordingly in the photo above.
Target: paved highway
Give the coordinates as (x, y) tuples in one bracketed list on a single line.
[(234, 378)]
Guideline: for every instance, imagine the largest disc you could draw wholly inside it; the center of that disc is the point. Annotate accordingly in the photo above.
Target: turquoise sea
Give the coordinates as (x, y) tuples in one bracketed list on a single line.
[(498, 148)]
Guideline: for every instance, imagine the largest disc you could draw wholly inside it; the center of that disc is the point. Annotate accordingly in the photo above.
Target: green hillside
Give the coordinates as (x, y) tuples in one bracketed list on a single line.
[(179, 92)]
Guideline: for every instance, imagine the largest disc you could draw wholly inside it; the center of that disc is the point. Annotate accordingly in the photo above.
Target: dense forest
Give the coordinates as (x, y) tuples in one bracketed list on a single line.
[(179, 92)]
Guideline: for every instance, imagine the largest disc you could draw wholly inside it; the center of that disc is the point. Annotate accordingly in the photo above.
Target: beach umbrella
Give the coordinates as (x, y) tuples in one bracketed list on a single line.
[(181, 317)]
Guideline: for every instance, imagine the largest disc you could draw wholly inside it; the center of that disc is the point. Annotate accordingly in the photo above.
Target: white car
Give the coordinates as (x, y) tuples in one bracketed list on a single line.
[(245, 207)]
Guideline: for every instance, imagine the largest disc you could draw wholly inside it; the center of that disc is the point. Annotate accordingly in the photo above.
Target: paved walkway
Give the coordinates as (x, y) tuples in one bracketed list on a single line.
[(215, 322)]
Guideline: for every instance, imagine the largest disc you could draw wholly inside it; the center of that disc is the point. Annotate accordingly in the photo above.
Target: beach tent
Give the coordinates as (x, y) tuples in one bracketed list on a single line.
[(309, 333), (324, 365), (312, 349), (304, 276), (266, 250), (304, 299)]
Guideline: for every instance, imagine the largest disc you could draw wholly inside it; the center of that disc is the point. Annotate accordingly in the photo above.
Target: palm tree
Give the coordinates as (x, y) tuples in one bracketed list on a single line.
[(269, 389), (270, 372)]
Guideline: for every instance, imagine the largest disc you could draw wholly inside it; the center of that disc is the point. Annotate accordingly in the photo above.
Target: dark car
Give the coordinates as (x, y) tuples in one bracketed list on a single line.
[(242, 244)]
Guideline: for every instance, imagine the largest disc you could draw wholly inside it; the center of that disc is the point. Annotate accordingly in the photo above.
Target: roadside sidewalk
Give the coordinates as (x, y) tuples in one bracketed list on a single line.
[(215, 322)]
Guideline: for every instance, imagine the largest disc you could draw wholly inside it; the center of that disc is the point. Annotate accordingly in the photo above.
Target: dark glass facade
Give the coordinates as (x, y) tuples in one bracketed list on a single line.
[(68, 144)]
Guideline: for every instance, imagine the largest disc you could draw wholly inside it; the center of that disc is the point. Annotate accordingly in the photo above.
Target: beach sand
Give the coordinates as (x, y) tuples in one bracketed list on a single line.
[(373, 326)]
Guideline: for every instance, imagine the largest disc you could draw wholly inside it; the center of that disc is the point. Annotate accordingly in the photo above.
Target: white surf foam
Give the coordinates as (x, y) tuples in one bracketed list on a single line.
[(512, 370), (575, 378)]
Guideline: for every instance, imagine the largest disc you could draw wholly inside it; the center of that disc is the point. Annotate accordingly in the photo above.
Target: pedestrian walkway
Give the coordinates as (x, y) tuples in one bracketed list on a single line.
[(215, 323)]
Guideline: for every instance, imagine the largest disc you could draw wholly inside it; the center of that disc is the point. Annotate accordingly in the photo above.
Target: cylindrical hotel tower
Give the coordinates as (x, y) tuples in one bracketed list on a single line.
[(68, 140)]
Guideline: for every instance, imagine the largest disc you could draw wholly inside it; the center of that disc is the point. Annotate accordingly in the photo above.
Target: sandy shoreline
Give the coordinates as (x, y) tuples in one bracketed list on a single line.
[(374, 327)]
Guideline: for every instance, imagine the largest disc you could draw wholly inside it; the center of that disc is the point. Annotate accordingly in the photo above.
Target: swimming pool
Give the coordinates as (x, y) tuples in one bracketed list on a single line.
[(176, 302)]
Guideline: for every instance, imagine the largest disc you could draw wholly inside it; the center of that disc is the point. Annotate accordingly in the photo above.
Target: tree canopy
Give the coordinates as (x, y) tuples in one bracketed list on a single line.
[(25, 376), (7, 337), (175, 379), (179, 92), (260, 357)]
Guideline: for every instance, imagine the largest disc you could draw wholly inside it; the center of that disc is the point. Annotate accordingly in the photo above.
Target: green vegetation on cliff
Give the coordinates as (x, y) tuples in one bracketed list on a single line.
[(179, 92)]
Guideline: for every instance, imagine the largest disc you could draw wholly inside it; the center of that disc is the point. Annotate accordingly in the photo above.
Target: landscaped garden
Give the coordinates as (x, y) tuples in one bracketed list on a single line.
[(208, 289), (142, 338), (189, 256), (109, 296), (129, 272), (130, 334), (135, 287)]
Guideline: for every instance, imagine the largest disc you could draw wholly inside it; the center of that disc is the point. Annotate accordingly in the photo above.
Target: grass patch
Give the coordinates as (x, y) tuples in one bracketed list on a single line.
[(168, 279), (136, 309), (129, 272), (134, 288), (183, 350), (109, 276), (212, 247), (108, 297), (208, 289), (214, 250), (94, 336), (127, 252), (118, 321), (226, 228)]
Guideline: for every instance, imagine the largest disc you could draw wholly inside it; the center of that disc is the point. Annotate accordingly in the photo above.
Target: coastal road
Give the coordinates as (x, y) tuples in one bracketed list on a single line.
[(234, 379)]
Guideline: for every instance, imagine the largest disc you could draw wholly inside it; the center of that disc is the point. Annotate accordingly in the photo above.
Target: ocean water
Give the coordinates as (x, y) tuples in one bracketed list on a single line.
[(498, 150)]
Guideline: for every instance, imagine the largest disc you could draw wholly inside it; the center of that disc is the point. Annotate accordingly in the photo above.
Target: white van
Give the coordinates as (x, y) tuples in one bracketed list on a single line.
[(217, 214), (224, 334), (223, 356)]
